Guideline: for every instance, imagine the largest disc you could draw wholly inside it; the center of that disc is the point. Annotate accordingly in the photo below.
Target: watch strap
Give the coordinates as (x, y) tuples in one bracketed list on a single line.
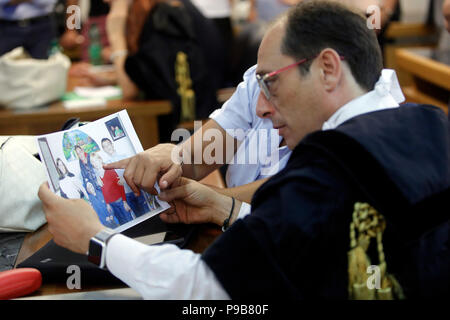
[(97, 247)]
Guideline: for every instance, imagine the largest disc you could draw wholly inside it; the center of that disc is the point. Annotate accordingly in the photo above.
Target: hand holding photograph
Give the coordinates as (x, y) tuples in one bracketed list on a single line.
[(74, 160)]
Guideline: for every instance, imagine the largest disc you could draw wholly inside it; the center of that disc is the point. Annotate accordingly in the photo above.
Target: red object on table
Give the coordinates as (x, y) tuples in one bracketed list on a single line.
[(19, 282)]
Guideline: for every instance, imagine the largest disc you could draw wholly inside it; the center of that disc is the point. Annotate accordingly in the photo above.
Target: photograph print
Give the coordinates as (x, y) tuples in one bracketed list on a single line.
[(115, 128), (74, 160)]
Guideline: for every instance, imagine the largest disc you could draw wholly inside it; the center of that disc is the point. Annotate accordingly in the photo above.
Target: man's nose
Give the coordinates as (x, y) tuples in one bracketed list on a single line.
[(264, 108)]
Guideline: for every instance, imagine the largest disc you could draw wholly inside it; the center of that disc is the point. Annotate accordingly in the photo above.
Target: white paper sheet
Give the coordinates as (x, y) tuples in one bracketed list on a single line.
[(74, 158)]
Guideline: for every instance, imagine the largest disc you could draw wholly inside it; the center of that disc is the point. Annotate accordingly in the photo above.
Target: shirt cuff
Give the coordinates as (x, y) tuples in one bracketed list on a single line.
[(122, 265), (163, 271), (245, 210)]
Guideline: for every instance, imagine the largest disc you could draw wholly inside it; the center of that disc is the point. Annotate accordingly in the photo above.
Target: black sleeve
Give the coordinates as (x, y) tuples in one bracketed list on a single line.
[(151, 74), (293, 244)]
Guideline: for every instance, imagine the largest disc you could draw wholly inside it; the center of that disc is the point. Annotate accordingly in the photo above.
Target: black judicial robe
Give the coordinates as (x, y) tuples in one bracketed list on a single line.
[(294, 244)]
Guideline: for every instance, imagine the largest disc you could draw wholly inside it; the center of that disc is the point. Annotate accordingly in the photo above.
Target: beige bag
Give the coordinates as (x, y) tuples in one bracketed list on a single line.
[(21, 174), (26, 82)]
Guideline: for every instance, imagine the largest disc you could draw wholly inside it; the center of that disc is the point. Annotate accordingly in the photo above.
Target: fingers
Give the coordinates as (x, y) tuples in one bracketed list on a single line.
[(170, 176), (122, 164), (148, 181), (129, 174), (169, 218), (180, 192), (138, 174), (142, 170), (72, 222)]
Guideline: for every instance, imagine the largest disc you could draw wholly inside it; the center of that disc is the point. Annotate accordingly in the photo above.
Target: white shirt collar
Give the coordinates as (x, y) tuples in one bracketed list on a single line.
[(386, 94)]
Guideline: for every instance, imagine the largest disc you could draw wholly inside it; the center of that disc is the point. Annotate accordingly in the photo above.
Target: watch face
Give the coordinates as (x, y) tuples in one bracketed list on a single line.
[(95, 251)]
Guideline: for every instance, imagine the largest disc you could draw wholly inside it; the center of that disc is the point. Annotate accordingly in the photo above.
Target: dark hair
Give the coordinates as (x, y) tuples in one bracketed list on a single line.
[(105, 139), (312, 26), (62, 175)]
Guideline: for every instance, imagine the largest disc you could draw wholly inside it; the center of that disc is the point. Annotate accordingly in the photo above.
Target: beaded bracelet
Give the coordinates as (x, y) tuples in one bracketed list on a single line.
[(226, 222)]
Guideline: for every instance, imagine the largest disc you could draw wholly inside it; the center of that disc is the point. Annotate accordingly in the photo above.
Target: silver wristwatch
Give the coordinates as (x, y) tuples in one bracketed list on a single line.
[(97, 247)]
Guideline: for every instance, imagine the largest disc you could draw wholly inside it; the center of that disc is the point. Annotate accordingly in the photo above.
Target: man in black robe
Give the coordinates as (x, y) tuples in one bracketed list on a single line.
[(318, 69)]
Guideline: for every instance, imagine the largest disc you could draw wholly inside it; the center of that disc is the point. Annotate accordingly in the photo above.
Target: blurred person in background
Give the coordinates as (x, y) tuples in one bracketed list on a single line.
[(389, 11), (446, 12), (219, 11), (245, 50), (72, 39), (28, 24), (146, 37), (440, 18), (267, 10)]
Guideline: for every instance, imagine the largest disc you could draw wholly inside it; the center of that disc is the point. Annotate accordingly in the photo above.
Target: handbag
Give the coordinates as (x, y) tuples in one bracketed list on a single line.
[(26, 82), (21, 174)]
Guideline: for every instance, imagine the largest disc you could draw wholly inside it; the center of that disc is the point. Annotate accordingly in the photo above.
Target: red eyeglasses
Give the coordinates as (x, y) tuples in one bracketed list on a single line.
[(263, 79)]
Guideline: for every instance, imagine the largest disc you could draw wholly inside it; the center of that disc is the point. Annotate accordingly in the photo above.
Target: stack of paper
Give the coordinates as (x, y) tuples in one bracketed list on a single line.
[(83, 97)]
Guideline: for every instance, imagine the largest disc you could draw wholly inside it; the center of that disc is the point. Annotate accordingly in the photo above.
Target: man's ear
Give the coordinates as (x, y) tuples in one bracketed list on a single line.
[(330, 65)]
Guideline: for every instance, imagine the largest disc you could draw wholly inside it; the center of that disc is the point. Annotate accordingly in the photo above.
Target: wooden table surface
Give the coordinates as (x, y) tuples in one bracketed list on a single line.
[(48, 119), (143, 115)]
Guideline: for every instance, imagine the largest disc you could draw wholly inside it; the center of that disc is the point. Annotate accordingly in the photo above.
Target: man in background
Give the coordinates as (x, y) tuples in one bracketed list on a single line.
[(27, 23), (446, 12)]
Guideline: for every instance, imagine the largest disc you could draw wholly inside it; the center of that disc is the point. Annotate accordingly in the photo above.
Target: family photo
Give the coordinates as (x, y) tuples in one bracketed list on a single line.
[(75, 159)]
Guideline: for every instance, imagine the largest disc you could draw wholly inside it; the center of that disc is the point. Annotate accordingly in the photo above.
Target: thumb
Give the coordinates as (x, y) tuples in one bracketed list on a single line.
[(45, 194), (170, 176)]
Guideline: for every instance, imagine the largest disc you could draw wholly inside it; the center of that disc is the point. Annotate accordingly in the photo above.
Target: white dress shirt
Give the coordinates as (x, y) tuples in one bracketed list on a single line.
[(167, 272), (25, 10), (259, 155), (386, 94), (213, 9)]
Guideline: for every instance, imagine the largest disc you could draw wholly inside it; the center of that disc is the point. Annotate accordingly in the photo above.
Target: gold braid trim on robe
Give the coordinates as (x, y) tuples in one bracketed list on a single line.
[(367, 224), (187, 95)]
